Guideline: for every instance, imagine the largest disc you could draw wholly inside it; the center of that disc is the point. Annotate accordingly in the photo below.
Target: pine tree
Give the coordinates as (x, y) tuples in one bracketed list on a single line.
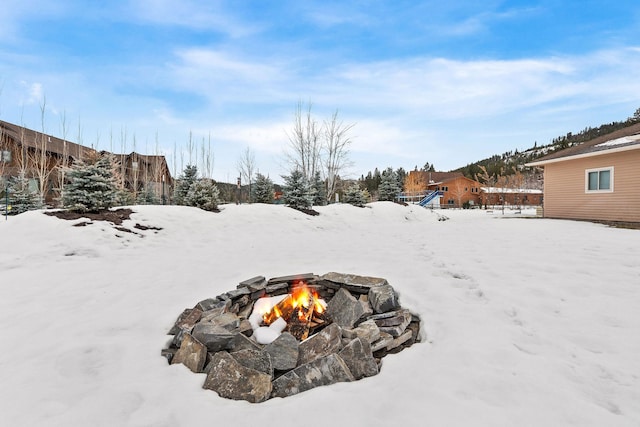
[(318, 192), (296, 191), (21, 197), (147, 197), (355, 196), (185, 181), (203, 194), (92, 187), (389, 188), (263, 189)]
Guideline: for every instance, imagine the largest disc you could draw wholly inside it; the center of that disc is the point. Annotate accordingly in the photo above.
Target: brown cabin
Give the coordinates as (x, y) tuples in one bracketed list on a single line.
[(43, 158)]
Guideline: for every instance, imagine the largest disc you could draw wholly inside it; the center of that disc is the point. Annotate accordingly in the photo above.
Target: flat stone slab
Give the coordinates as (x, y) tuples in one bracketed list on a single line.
[(254, 359), (254, 284), (327, 341), (324, 371), (355, 283), (211, 303), (367, 330), (231, 380), (214, 337), (294, 278), (186, 321)]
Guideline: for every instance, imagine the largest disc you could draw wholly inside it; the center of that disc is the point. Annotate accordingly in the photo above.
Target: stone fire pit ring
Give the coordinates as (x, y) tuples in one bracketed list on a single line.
[(243, 360)]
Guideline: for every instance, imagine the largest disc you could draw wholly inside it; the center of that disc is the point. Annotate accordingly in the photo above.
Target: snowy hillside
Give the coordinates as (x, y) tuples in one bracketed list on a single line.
[(529, 322)]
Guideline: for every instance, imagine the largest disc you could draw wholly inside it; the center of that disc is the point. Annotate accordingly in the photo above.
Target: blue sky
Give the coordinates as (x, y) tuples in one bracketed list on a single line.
[(444, 82)]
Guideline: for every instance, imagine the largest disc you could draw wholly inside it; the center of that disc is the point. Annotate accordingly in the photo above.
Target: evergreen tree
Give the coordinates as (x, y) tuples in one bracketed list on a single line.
[(296, 192), (389, 188), (185, 181), (355, 196), (263, 189), (92, 187), (21, 197), (203, 194), (147, 197), (318, 192), (402, 175)]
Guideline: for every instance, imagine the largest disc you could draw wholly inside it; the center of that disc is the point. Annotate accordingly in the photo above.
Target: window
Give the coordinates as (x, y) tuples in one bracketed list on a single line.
[(445, 188), (5, 156), (599, 180)]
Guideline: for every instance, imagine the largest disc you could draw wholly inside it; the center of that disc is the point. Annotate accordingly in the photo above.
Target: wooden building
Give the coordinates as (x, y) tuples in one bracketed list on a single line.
[(596, 180), (455, 189), (43, 159)]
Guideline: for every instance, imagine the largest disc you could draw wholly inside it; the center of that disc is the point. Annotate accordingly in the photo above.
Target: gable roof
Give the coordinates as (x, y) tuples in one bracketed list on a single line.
[(620, 140), (33, 139)]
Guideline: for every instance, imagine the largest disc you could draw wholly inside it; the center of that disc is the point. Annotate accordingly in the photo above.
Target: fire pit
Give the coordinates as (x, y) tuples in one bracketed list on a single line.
[(282, 336)]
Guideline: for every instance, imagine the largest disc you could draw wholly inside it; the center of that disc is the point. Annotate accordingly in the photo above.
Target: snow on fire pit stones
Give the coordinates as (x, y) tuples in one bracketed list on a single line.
[(244, 359)]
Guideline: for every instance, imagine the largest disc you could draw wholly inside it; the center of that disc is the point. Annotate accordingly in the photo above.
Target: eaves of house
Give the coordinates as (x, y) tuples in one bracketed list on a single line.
[(619, 141)]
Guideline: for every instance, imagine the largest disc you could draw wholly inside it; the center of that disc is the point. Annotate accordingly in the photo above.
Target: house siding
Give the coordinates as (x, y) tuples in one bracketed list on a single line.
[(565, 196)]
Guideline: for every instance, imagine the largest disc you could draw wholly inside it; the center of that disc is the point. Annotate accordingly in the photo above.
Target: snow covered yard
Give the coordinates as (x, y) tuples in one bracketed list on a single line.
[(528, 321)]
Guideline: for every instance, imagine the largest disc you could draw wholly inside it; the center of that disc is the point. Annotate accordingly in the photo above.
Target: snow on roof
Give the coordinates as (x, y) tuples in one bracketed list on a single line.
[(619, 141)]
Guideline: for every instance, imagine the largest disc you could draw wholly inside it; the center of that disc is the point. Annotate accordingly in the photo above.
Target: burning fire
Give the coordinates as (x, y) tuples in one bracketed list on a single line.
[(303, 301)]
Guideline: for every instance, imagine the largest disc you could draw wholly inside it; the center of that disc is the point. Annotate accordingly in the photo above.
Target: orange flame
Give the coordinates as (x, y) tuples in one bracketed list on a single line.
[(301, 296)]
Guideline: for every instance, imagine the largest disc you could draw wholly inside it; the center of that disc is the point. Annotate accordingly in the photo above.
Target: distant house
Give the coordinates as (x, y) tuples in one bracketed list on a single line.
[(491, 196), (596, 180), (454, 189), (42, 159)]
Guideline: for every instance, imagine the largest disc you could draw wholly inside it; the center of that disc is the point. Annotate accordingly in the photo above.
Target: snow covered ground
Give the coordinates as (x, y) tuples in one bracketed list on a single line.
[(528, 322)]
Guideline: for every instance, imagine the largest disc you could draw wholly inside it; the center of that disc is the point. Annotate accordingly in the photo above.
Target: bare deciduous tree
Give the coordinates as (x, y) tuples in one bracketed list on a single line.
[(63, 165), (247, 166), (43, 163), (304, 143), (314, 148), (336, 150), (206, 156)]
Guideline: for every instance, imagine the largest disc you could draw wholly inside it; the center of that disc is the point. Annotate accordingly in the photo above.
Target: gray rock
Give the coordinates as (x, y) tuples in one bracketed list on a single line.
[(192, 354), (277, 289), (406, 336), (211, 303), (254, 284), (383, 298), (241, 342), (284, 352), (368, 331), (228, 321), (208, 315), (395, 325), (359, 358), (324, 343), (254, 359), (324, 371), (214, 337), (355, 283), (236, 293), (231, 380), (168, 353), (305, 277), (187, 319), (382, 343), (344, 309)]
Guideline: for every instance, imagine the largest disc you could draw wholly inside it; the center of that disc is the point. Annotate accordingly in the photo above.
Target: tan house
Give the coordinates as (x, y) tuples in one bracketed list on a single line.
[(597, 180), (43, 159)]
